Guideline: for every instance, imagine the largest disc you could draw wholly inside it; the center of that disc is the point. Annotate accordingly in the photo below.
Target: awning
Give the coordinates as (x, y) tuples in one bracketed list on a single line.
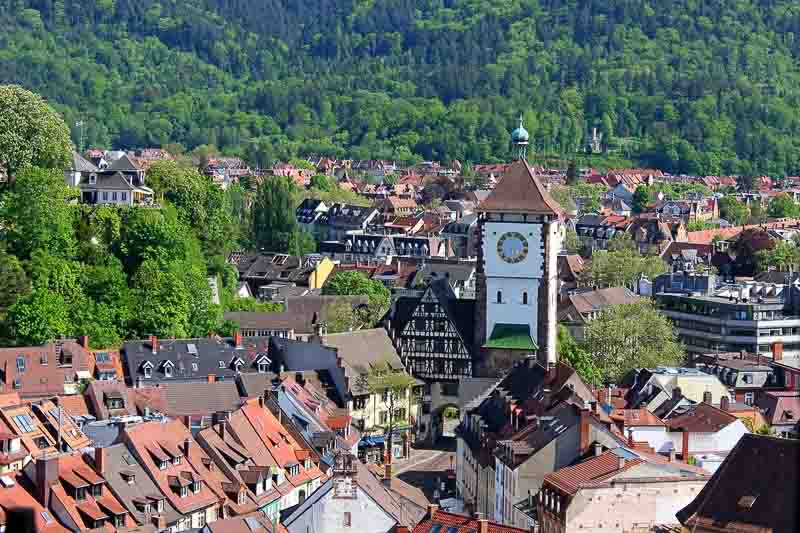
[(511, 337)]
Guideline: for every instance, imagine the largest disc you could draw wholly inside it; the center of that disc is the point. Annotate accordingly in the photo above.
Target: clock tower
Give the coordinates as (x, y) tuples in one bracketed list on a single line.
[(521, 234)]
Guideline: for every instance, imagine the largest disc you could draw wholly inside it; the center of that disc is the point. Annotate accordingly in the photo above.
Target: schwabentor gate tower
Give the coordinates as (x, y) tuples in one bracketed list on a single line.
[(521, 233)]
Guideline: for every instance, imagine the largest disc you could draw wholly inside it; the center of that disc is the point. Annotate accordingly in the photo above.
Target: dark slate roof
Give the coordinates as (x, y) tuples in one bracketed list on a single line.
[(114, 181), (273, 266), (346, 215), (123, 164), (200, 398), (189, 366), (301, 314), (295, 355), (80, 164), (756, 486)]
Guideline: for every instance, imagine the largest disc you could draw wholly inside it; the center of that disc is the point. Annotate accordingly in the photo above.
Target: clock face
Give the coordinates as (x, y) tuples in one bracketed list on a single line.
[(512, 247)]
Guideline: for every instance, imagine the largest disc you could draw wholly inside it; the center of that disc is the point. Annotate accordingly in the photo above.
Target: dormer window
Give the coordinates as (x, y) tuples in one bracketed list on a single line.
[(80, 493), (163, 465), (184, 492), (128, 477), (147, 369), (196, 486), (242, 497), (92, 179), (97, 490), (176, 460), (20, 364), (160, 506), (168, 369), (222, 364)]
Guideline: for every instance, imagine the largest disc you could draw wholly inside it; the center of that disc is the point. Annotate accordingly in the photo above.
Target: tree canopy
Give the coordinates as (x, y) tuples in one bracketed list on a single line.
[(628, 336), (31, 132), (681, 86)]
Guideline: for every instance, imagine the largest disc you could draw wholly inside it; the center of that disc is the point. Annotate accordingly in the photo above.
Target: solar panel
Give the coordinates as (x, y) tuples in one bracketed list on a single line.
[(102, 357)]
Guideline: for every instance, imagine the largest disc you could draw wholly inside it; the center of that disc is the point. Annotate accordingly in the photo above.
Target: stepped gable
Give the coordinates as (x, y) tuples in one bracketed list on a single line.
[(519, 191)]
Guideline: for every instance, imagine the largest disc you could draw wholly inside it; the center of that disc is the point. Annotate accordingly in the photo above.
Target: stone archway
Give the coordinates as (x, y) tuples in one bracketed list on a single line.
[(444, 421)]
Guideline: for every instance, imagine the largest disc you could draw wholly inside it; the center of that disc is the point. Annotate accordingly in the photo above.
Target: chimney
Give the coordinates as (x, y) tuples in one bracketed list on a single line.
[(483, 523), (237, 339), (584, 431), (212, 378), (672, 455), (84, 341), (724, 403), (677, 392), (387, 474), (46, 477), (621, 462), (154, 343), (221, 429), (432, 509), (261, 402), (777, 351), (159, 521), (598, 449), (707, 397), (100, 460), (187, 447), (630, 438), (685, 446)]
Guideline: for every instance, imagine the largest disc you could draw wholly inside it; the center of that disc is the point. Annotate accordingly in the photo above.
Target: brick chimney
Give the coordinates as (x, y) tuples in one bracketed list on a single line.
[(724, 403), (685, 447), (708, 397), (212, 378), (154, 343), (46, 477), (84, 341), (237, 339), (187, 447), (100, 460), (432, 509), (584, 431), (777, 351), (483, 523), (387, 474)]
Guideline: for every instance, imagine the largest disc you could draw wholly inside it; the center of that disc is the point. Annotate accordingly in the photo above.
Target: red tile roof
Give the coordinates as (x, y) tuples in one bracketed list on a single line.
[(598, 468), (520, 191), (702, 418), (74, 404), (41, 374), (636, 417), (464, 524)]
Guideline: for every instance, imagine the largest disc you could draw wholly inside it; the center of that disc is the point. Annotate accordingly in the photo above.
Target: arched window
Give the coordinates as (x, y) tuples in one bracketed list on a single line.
[(524, 297), (499, 297)]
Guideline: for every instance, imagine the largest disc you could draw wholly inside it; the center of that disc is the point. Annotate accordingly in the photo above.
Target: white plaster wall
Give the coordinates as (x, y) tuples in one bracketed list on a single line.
[(512, 310), (556, 235), (327, 516), (619, 508), (655, 436), (531, 267), (722, 441)]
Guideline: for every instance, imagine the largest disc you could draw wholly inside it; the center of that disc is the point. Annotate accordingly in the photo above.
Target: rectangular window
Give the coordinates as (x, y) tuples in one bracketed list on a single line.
[(97, 490), (114, 196), (124, 196), (105, 196), (749, 398)]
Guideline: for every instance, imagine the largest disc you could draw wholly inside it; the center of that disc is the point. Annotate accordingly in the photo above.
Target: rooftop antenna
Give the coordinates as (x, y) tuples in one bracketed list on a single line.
[(79, 124)]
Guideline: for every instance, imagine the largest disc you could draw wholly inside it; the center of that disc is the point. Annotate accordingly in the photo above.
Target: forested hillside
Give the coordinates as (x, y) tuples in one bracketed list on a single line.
[(707, 86)]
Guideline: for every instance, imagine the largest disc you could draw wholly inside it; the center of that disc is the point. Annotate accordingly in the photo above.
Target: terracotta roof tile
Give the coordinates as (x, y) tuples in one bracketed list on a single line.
[(520, 191), (461, 523), (569, 479)]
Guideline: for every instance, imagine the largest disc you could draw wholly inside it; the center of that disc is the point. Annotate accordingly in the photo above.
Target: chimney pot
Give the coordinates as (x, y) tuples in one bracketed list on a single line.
[(621, 463), (237, 339), (777, 351), (708, 397), (724, 403), (432, 509), (100, 460), (154, 343), (598, 449), (187, 446)]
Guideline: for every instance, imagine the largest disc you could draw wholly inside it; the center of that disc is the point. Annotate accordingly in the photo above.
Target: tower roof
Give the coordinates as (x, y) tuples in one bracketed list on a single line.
[(519, 191), (520, 135)]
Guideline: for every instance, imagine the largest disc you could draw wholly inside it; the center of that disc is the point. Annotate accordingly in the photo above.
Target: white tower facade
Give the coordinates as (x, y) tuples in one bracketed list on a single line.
[(521, 233)]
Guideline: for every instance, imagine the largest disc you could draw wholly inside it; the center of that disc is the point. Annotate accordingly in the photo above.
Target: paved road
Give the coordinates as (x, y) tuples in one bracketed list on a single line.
[(426, 469)]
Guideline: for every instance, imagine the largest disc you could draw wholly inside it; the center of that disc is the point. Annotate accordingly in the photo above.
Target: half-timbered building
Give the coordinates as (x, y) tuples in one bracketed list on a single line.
[(434, 336)]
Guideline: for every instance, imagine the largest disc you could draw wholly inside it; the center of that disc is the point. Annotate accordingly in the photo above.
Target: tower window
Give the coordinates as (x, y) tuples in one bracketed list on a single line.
[(499, 297), (525, 298)]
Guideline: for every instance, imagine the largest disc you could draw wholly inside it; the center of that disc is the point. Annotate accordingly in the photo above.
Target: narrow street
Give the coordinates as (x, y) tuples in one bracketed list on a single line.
[(428, 468)]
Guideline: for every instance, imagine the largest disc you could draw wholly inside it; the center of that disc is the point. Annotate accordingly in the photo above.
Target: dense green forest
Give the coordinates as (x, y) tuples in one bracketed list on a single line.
[(697, 86)]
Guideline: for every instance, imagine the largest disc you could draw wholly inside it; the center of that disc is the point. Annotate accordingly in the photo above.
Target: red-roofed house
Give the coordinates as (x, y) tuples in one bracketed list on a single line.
[(179, 468), (69, 488), (49, 370), (456, 523), (616, 490), (14, 496), (782, 411)]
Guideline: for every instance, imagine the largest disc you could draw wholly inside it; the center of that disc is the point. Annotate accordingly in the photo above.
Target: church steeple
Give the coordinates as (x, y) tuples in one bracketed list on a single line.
[(519, 140)]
